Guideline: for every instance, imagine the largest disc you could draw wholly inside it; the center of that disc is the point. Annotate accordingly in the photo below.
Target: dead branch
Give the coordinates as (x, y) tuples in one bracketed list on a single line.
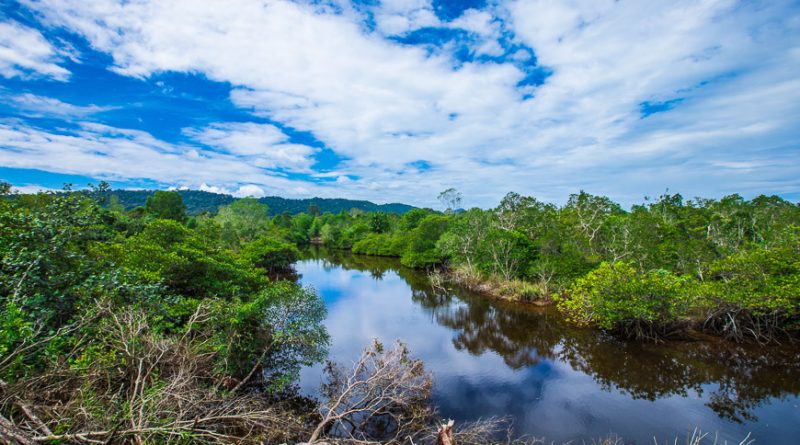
[(12, 434), (383, 398), (165, 384)]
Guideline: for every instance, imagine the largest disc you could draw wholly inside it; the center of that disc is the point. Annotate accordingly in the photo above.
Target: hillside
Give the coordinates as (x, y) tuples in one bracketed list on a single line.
[(199, 201)]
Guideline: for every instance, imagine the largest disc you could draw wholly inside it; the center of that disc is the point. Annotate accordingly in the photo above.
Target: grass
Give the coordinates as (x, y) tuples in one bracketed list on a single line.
[(472, 279)]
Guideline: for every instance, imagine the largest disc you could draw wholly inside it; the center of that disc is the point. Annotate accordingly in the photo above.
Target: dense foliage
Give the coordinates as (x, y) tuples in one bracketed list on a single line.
[(729, 264), (140, 318)]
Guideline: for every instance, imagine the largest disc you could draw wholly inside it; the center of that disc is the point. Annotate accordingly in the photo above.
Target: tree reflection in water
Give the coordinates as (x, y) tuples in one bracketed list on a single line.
[(741, 377), (745, 374)]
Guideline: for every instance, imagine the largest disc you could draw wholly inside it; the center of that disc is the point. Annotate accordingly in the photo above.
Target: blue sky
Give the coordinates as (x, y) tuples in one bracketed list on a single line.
[(397, 100)]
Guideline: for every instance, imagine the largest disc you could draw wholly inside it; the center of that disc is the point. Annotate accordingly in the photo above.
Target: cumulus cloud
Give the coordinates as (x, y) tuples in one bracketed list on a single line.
[(476, 21), (728, 71), (263, 145), (24, 52), (244, 191), (121, 154), (395, 17)]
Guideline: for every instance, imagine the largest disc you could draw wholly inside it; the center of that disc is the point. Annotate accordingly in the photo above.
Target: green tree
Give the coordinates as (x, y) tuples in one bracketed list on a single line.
[(410, 220), (301, 227), (588, 215), (243, 221), (270, 254), (422, 250), (166, 205), (185, 262), (378, 222), (462, 241), (45, 253), (506, 253)]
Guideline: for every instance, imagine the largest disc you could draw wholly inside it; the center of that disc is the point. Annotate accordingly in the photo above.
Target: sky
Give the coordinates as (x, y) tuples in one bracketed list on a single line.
[(397, 100)]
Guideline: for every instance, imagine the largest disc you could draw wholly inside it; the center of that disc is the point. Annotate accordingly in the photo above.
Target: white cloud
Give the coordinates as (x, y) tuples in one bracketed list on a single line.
[(120, 154), (30, 189), (203, 187), (25, 53), (31, 105), (384, 105), (397, 17), (476, 21), (263, 145), (250, 190), (247, 190)]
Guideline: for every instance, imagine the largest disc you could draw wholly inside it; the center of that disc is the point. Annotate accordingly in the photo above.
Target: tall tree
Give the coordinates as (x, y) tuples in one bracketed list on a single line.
[(451, 199), (166, 205)]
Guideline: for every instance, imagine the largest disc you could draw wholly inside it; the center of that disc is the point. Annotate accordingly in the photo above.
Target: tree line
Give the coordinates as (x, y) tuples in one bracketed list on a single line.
[(729, 266)]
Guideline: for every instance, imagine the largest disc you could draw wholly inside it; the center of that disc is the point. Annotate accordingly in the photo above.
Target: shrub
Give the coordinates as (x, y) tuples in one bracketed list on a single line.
[(188, 264), (754, 294), (271, 254), (618, 297), (423, 259), (760, 280), (380, 245)]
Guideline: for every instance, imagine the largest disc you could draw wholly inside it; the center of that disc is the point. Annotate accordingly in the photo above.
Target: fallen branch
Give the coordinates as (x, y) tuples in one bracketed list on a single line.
[(32, 416), (11, 434)]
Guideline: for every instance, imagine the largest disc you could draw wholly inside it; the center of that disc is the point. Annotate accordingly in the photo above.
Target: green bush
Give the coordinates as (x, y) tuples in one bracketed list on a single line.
[(270, 254), (616, 296), (425, 259), (759, 280), (187, 264), (381, 245)]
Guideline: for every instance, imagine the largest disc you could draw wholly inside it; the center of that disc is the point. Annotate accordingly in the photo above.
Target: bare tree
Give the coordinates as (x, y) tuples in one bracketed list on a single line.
[(163, 386), (451, 198), (384, 398)]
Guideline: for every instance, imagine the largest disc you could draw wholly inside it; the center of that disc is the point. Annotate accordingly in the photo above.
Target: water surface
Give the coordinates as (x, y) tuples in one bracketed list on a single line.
[(491, 359)]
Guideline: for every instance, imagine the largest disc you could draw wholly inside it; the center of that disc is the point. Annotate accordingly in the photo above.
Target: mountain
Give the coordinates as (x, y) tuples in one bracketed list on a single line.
[(198, 202), (334, 205)]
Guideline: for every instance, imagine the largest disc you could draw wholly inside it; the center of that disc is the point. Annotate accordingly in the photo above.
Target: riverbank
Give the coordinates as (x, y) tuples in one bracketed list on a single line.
[(691, 321), (494, 357), (513, 290), (617, 298)]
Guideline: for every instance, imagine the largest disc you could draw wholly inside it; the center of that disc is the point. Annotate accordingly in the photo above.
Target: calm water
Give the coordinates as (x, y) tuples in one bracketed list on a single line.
[(556, 381)]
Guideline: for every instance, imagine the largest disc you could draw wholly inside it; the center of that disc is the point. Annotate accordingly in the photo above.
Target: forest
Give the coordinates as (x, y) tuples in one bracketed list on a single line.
[(730, 267), (150, 325)]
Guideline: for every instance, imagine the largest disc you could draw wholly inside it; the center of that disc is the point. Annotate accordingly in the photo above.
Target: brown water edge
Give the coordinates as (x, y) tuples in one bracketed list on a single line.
[(725, 322), (496, 358)]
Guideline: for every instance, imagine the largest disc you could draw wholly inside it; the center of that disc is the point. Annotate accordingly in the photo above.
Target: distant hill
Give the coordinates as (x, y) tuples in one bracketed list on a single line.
[(334, 205), (198, 202)]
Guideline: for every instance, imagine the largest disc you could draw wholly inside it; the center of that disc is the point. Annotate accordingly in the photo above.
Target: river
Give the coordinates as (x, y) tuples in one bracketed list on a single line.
[(552, 379)]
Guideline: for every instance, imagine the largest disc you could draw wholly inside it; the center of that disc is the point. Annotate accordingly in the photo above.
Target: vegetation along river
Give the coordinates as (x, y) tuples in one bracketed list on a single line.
[(554, 380)]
